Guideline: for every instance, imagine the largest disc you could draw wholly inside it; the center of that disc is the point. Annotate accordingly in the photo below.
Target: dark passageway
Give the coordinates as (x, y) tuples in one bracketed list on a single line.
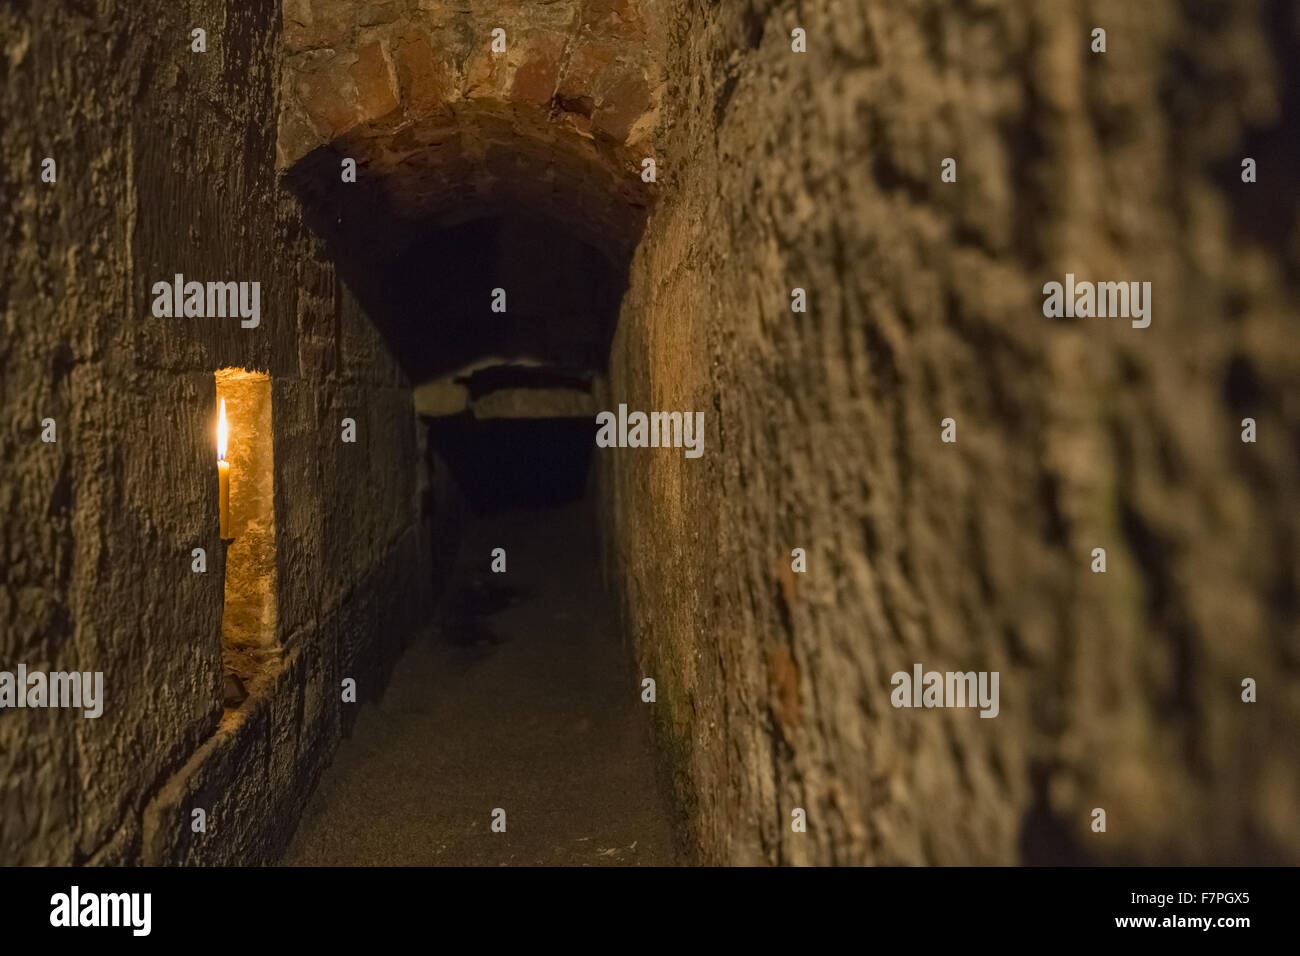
[(499, 298), (521, 693), (502, 463), (519, 697)]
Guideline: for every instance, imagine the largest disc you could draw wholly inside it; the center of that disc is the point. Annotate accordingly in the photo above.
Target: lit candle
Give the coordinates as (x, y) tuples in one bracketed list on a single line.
[(223, 473)]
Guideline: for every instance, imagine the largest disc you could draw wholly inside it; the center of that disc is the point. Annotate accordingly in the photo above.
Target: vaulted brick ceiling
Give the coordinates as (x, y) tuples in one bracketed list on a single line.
[(444, 129), (463, 153)]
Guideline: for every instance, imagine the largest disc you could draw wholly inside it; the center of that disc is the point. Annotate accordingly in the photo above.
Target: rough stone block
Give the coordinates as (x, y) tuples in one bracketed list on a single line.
[(426, 82), (376, 88)]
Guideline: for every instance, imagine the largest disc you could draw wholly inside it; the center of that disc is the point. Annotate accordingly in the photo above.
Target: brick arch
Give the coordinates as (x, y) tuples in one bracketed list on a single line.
[(442, 128)]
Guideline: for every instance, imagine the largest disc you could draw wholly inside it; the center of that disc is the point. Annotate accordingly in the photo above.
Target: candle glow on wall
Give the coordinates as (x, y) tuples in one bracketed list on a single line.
[(223, 473)]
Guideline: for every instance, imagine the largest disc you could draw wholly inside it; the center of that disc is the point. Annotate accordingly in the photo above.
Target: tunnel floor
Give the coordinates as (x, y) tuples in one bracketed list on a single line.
[(519, 696)]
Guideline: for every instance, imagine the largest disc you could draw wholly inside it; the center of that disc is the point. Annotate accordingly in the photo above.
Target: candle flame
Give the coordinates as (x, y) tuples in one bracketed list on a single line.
[(222, 432)]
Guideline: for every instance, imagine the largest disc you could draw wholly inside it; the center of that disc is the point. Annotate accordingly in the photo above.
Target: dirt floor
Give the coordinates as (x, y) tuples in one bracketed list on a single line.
[(521, 697)]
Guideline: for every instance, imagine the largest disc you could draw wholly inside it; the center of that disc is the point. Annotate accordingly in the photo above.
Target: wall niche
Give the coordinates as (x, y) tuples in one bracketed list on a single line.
[(248, 645)]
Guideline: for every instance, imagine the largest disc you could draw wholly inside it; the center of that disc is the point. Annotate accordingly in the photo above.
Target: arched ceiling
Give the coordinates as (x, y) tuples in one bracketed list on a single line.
[(444, 129)]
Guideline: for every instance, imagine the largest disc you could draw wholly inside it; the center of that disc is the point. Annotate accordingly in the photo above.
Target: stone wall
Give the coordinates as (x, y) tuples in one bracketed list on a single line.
[(166, 164), (1119, 690)]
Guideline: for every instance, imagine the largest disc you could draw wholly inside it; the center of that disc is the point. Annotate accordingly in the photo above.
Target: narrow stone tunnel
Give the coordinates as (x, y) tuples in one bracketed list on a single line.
[(520, 695), (643, 432)]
